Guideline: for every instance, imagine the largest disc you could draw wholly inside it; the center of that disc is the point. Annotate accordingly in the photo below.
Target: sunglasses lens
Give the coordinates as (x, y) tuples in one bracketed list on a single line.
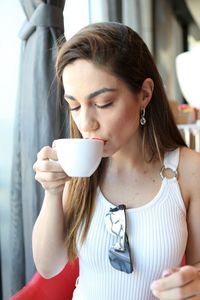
[(121, 260), (119, 254)]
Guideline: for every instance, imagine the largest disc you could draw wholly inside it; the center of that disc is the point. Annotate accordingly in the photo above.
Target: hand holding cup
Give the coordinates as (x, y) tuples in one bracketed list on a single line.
[(49, 172)]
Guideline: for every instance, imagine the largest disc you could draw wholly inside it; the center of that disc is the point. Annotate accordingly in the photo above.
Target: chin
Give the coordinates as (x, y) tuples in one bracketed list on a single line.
[(108, 153), (110, 150)]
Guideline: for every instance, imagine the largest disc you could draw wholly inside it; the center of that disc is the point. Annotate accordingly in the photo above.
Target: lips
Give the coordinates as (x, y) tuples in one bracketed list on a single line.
[(96, 138)]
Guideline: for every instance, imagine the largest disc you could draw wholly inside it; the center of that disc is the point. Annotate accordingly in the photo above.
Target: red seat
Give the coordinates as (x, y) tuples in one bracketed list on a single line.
[(183, 261), (60, 287)]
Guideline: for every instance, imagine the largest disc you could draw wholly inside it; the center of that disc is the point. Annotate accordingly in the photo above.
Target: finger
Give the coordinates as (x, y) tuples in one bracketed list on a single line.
[(188, 291), (54, 184), (178, 277), (49, 176), (169, 272), (47, 153), (47, 166), (194, 298)]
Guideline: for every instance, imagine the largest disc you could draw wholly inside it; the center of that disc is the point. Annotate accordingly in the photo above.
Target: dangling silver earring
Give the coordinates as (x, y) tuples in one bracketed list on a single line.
[(142, 117)]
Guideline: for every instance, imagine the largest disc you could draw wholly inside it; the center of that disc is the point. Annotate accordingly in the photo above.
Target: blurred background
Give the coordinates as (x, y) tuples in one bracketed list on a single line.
[(171, 29)]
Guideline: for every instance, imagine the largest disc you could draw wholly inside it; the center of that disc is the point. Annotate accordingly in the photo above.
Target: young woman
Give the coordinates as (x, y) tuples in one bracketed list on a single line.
[(131, 223)]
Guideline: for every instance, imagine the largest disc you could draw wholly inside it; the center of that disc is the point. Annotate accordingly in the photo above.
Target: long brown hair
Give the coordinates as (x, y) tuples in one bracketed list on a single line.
[(121, 50)]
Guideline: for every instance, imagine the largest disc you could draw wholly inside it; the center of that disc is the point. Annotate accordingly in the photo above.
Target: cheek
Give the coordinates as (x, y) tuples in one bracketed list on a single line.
[(127, 122), (121, 129)]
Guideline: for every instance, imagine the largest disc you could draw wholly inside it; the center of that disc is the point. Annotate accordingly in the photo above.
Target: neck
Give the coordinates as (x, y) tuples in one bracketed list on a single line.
[(128, 158)]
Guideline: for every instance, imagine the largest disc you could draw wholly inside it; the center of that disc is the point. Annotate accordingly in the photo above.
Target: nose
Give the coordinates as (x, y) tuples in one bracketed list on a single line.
[(87, 121)]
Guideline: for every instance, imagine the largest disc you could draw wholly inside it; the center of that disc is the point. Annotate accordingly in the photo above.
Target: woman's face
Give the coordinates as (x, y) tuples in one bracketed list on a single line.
[(102, 106)]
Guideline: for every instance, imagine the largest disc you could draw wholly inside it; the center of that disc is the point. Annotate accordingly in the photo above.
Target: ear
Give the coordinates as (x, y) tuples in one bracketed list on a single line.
[(146, 92)]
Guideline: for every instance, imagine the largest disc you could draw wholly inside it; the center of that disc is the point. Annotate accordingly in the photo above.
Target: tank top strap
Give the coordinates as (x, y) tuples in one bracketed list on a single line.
[(171, 159)]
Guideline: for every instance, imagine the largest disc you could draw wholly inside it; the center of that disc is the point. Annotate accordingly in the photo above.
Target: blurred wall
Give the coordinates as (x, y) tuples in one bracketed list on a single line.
[(11, 19), (167, 44)]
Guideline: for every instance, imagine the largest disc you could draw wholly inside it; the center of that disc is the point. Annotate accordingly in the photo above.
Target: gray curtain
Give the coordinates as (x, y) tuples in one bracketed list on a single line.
[(39, 120), (115, 10)]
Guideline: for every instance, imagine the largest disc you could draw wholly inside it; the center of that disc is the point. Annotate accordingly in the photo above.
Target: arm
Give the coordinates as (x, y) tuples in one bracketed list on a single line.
[(184, 283), (48, 236)]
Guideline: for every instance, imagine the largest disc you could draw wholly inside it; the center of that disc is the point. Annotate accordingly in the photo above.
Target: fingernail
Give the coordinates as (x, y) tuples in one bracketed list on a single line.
[(166, 274)]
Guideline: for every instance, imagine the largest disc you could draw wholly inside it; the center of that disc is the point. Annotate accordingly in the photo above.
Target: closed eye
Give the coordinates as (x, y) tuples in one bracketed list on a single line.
[(104, 106), (74, 108), (97, 105)]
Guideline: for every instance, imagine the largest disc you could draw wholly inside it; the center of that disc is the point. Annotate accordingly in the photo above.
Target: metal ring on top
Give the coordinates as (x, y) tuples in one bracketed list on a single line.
[(163, 169)]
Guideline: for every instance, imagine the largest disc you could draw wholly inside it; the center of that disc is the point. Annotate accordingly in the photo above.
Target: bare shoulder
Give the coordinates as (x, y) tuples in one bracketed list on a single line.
[(189, 181), (189, 161), (189, 171)]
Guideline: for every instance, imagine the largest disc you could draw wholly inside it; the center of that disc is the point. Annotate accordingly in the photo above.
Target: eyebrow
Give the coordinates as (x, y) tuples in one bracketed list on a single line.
[(93, 94)]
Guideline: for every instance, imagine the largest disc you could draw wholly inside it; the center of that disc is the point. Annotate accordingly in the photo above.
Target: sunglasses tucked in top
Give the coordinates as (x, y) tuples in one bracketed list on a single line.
[(119, 253)]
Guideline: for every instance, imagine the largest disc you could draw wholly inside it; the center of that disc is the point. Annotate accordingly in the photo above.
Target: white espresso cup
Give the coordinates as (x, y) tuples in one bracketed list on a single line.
[(79, 157)]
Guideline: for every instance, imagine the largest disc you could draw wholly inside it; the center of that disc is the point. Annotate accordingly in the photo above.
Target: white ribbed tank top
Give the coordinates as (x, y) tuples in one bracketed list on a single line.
[(157, 235)]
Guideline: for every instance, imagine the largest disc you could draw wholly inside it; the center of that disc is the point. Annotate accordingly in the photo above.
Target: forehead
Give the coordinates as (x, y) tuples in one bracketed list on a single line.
[(83, 74)]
